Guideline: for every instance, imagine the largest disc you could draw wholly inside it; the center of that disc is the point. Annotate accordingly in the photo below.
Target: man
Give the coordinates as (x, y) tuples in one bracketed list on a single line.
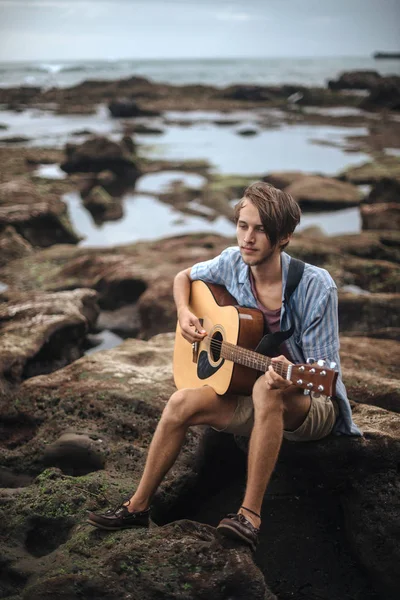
[(255, 273)]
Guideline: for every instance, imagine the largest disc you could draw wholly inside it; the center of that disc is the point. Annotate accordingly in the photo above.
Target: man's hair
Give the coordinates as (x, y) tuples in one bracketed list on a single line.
[(279, 212)]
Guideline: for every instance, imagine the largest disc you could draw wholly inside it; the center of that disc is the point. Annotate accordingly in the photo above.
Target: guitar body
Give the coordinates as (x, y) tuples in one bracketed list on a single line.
[(224, 321)]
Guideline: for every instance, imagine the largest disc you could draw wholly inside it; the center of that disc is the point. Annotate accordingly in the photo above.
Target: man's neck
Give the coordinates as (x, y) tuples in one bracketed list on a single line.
[(268, 273)]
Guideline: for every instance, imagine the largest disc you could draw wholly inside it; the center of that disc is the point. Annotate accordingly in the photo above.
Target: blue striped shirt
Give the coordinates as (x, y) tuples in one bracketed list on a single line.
[(313, 309)]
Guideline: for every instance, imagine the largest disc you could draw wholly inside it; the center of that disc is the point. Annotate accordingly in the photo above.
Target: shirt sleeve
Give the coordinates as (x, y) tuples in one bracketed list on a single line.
[(320, 337), (217, 270)]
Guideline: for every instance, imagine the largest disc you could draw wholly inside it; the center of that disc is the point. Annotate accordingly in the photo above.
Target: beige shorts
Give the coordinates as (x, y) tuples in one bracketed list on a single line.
[(318, 423)]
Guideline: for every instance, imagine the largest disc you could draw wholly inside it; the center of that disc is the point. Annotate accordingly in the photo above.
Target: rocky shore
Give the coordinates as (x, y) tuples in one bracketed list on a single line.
[(75, 423)]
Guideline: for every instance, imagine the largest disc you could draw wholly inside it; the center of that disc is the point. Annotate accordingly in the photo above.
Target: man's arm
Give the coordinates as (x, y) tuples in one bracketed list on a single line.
[(191, 328)]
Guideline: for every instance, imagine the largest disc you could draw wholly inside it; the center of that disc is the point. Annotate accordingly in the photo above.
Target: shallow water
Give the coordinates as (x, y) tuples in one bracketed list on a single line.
[(289, 147), (51, 171), (146, 218), (286, 148), (109, 340), (156, 183)]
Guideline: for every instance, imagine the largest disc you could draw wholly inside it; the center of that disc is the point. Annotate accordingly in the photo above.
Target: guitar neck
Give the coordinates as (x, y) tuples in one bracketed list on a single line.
[(251, 359), (313, 376)]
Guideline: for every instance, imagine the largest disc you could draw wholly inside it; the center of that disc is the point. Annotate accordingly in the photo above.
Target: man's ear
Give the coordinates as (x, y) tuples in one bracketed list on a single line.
[(283, 242)]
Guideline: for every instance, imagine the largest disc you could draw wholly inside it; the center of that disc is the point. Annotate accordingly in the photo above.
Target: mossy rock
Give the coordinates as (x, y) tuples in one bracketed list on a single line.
[(374, 171)]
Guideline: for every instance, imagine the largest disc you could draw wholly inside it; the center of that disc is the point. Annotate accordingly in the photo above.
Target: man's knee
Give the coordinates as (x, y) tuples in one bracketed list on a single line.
[(178, 407), (266, 401)]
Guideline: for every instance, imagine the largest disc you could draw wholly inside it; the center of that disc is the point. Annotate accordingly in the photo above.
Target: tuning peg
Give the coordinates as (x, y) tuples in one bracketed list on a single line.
[(332, 365), (310, 361), (321, 363)]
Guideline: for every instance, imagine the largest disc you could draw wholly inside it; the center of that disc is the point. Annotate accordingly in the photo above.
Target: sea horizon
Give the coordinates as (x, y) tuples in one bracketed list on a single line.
[(218, 72)]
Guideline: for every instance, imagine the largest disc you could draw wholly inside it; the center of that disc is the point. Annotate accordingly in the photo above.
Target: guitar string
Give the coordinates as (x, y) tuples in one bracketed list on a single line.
[(248, 355)]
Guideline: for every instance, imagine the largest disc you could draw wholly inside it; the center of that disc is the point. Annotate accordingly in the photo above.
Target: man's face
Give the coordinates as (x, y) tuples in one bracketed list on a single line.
[(254, 245)]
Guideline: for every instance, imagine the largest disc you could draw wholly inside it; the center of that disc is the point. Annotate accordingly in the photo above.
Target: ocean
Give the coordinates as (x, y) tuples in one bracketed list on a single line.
[(216, 72), (289, 147)]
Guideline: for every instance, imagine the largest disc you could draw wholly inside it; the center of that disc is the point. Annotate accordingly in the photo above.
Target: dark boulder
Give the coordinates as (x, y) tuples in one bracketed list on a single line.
[(385, 190), (355, 80), (99, 154), (125, 107), (249, 93), (386, 94)]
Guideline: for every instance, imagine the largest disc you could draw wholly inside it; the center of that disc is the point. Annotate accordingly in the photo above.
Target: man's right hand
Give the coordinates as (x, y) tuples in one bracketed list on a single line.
[(191, 327)]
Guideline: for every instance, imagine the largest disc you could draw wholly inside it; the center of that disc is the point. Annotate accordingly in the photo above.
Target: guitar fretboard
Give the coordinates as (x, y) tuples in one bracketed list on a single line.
[(247, 358)]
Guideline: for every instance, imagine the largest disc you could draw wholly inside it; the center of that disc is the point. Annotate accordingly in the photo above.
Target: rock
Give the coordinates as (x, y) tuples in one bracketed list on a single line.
[(385, 191), (41, 220), (121, 393), (147, 130), (41, 332), (381, 216), (99, 154), (16, 139), (384, 95), (226, 122), (42, 156), (323, 193), (20, 95), (369, 275), (370, 371), (362, 315), (106, 177), (252, 93), (371, 172), (355, 80), (128, 108), (12, 246), (11, 480), (102, 206), (75, 454), (282, 179), (79, 132), (123, 321), (379, 245), (248, 132), (128, 144)]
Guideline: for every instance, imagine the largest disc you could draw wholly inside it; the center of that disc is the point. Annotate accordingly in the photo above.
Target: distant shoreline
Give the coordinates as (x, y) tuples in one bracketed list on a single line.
[(378, 55)]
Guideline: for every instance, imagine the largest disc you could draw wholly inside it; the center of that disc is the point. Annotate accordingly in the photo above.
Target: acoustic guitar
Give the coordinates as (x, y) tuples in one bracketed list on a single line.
[(225, 359)]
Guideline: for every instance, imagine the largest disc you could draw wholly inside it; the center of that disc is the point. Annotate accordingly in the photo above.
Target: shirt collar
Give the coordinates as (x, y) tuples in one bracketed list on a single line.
[(244, 276)]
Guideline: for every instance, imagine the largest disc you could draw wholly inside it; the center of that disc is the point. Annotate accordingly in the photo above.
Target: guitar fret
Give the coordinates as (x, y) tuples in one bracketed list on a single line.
[(250, 359)]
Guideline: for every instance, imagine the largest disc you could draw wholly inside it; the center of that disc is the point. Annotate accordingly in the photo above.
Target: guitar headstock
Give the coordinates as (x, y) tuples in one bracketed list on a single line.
[(315, 377)]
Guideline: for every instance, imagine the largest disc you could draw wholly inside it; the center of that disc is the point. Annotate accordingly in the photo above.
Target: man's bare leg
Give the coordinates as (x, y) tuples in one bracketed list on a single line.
[(187, 407), (274, 410)]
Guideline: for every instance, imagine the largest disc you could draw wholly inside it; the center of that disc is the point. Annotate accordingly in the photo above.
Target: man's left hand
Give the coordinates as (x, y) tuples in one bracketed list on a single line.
[(273, 380)]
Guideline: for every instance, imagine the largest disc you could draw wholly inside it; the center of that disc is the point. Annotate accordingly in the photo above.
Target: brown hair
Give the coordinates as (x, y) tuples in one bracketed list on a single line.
[(279, 212)]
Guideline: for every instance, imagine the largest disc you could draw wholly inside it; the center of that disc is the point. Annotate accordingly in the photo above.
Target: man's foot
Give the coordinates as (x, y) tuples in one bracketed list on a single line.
[(120, 518), (237, 527)]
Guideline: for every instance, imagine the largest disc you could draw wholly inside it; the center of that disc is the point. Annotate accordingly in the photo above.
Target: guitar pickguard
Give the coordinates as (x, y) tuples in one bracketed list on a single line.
[(204, 368)]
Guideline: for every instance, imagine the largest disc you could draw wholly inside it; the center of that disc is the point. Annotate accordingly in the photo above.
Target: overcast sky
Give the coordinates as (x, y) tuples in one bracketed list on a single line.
[(110, 29)]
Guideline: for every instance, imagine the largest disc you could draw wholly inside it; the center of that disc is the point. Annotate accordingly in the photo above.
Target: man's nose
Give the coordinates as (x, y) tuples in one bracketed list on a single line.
[(249, 237)]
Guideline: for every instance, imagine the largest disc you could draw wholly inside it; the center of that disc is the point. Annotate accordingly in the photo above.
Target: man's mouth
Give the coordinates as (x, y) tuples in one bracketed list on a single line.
[(249, 249)]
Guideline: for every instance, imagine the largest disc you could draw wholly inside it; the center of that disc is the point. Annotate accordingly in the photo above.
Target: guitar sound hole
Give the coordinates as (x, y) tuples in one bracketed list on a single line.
[(215, 346)]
